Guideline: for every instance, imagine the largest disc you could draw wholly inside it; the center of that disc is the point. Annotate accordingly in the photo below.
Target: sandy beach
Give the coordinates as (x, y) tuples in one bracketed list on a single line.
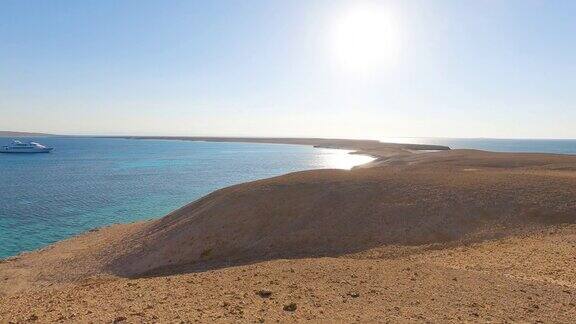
[(444, 236)]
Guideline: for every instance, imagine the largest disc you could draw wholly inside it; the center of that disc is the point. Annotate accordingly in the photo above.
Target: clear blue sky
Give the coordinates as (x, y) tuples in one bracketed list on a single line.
[(475, 68)]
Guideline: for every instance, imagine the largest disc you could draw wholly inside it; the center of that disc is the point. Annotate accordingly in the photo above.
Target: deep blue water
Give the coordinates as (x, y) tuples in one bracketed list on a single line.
[(86, 183)]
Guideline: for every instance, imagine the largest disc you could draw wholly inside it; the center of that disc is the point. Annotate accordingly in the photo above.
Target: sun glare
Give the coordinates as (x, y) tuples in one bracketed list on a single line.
[(365, 37)]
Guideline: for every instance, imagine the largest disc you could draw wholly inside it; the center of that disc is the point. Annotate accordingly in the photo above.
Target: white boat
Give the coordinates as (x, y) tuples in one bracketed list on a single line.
[(30, 147)]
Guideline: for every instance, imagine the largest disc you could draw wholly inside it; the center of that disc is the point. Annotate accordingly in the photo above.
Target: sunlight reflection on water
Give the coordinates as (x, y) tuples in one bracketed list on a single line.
[(342, 159)]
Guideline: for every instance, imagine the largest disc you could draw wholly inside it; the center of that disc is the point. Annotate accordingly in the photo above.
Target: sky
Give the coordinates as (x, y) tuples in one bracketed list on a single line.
[(298, 68)]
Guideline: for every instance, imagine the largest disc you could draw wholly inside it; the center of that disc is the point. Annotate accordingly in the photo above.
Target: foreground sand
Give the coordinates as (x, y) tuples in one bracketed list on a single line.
[(444, 237), (528, 278)]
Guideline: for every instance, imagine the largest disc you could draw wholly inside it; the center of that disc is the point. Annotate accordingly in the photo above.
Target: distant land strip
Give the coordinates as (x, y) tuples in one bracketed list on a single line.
[(22, 134), (373, 148)]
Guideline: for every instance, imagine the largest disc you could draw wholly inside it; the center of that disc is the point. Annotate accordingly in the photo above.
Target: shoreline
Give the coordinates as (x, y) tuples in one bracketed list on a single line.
[(378, 150), (373, 149)]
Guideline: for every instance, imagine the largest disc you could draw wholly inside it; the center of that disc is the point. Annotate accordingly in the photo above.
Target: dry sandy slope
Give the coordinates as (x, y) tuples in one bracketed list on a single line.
[(448, 236)]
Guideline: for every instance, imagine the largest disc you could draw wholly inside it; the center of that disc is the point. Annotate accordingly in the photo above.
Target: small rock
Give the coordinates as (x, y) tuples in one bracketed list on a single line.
[(119, 319), (354, 294), (290, 307), (264, 293), (33, 317)]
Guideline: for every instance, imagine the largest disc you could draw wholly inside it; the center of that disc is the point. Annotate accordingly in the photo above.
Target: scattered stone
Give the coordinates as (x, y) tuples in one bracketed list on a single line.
[(119, 319), (264, 293), (290, 307), (354, 294), (206, 253), (33, 317)]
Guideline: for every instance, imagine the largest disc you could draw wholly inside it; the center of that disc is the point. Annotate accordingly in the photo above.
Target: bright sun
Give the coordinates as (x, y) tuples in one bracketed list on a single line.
[(365, 37)]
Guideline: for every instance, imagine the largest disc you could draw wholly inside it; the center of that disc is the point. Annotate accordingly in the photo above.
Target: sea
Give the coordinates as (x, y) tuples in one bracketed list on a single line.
[(92, 182)]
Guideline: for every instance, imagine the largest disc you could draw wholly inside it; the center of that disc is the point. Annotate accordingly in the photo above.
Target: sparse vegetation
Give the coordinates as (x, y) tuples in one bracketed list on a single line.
[(290, 307)]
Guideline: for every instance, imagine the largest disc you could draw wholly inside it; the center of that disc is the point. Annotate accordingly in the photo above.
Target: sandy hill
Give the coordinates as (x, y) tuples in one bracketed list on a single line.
[(334, 212), (446, 236)]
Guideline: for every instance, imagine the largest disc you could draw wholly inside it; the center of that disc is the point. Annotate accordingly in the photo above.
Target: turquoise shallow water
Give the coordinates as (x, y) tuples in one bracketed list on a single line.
[(87, 182)]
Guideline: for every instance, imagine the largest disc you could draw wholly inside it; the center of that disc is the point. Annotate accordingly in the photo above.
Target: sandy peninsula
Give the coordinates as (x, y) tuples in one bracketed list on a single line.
[(381, 151), (443, 236)]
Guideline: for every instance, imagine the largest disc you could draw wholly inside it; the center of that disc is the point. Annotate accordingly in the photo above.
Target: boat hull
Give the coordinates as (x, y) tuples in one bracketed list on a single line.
[(26, 151)]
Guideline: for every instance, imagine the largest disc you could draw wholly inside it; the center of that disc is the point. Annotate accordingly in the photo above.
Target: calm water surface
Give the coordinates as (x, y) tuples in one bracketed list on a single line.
[(86, 183)]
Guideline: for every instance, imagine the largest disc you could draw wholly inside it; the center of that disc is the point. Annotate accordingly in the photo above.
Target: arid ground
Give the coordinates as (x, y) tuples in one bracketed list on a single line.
[(447, 236)]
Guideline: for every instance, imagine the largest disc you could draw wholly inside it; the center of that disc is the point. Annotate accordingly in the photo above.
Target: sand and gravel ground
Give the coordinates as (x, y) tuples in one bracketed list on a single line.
[(527, 278)]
